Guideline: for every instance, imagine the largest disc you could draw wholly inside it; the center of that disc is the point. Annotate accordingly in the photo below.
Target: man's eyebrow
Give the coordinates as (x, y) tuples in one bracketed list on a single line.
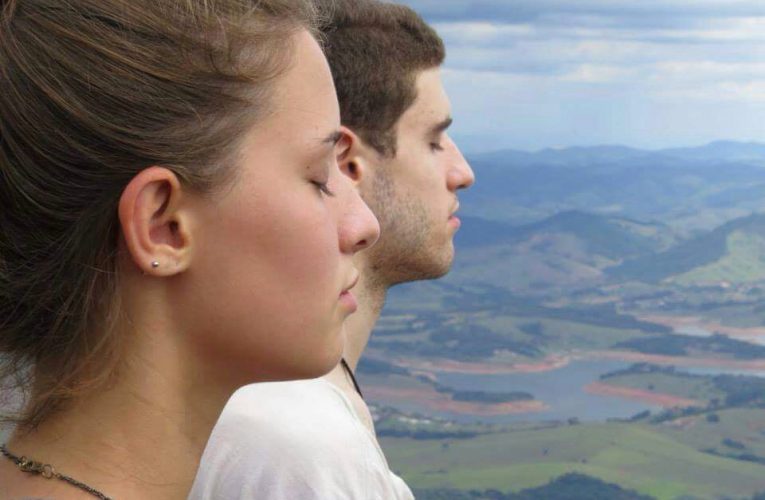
[(441, 126), (333, 138)]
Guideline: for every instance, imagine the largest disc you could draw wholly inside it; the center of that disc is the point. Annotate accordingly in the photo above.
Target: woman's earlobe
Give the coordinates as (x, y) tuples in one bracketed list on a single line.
[(152, 221)]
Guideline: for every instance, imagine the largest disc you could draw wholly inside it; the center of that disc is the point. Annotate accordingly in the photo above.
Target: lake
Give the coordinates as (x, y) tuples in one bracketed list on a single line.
[(562, 390)]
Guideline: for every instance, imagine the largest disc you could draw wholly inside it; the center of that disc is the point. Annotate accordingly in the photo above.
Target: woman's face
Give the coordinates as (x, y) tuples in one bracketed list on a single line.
[(272, 255)]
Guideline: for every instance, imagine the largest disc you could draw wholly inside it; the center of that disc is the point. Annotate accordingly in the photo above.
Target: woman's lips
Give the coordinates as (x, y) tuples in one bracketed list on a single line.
[(348, 300)]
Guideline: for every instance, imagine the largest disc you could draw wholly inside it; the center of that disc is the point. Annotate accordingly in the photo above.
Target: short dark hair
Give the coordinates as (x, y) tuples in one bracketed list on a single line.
[(375, 50)]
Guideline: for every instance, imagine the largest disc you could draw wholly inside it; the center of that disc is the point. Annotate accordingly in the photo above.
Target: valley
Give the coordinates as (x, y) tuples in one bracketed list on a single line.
[(603, 299)]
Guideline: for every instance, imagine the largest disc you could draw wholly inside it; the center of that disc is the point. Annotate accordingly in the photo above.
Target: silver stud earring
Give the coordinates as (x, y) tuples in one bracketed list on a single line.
[(155, 264)]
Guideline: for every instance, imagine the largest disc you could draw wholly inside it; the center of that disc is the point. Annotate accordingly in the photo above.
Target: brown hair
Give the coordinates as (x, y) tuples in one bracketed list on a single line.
[(94, 91), (376, 50)]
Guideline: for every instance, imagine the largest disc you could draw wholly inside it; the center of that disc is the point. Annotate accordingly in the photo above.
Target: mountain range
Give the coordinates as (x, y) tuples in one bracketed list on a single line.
[(586, 249), (689, 189)]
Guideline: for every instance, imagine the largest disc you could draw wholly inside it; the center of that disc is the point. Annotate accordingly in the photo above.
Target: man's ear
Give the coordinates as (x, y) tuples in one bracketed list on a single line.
[(155, 224), (352, 156)]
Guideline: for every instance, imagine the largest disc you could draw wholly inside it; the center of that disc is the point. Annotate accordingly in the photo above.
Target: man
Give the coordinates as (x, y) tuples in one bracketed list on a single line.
[(315, 439)]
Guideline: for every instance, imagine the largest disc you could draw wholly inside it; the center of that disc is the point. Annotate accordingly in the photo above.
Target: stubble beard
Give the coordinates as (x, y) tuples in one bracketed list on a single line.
[(411, 247)]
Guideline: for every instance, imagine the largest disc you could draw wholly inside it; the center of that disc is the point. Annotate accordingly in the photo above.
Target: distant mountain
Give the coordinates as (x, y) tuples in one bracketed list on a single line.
[(562, 217), (691, 188), (722, 151), (479, 232), (733, 252), (611, 237), (584, 156), (568, 248), (577, 156)]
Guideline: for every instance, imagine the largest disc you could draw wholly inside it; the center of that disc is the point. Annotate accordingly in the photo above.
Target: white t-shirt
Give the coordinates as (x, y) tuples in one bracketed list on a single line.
[(294, 441)]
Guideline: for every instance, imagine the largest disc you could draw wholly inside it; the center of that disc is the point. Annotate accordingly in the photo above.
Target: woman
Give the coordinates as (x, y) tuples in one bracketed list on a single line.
[(173, 225)]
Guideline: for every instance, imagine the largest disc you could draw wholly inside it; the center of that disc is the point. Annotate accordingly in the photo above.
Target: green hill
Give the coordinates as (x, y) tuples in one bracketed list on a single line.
[(614, 238), (744, 262), (566, 487), (569, 248), (636, 457), (611, 237), (732, 252)]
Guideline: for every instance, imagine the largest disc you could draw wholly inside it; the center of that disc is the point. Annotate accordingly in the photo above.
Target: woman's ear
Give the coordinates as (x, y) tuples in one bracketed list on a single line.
[(155, 224), (350, 155)]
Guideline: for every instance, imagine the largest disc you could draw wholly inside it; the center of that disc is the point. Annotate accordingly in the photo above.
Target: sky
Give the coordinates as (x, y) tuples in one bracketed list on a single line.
[(533, 74)]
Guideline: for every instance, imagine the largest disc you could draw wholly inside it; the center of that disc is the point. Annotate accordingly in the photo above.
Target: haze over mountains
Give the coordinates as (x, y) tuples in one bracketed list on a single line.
[(686, 188), (608, 214), (587, 156)]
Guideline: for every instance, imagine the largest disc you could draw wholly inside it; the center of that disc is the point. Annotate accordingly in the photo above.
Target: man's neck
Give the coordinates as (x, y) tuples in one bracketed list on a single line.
[(358, 327)]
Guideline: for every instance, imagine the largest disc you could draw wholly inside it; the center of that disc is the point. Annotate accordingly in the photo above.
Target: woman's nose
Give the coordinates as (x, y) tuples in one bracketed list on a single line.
[(359, 228)]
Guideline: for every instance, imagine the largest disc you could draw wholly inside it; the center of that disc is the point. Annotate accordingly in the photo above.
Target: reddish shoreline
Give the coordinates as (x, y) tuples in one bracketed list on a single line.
[(557, 362), (657, 359), (550, 363), (710, 326), (653, 398)]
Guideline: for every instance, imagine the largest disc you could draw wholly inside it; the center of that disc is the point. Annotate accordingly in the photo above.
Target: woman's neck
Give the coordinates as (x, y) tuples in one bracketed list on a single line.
[(141, 438)]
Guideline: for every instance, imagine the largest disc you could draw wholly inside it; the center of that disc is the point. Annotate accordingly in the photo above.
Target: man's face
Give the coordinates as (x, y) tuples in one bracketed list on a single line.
[(414, 193)]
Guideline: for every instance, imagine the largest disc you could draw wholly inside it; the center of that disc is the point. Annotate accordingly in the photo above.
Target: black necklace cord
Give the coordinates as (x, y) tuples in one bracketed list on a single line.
[(350, 374)]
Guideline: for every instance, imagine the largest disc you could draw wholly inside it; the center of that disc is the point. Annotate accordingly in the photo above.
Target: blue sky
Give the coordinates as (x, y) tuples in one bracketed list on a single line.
[(531, 74)]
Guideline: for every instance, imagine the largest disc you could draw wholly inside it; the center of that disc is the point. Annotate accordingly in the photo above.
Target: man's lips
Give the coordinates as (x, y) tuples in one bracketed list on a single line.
[(453, 219), (453, 213)]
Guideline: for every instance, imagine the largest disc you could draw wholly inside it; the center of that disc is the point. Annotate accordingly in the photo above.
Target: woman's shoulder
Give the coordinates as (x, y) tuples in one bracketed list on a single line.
[(293, 399), (286, 435), (299, 414)]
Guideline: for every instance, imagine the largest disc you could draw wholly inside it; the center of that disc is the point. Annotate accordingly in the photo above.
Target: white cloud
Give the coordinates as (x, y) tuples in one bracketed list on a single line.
[(598, 71), (707, 71), (720, 93), (477, 33), (595, 73)]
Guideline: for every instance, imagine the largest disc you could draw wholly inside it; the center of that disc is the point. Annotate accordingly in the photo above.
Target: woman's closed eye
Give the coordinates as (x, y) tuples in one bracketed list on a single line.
[(323, 187)]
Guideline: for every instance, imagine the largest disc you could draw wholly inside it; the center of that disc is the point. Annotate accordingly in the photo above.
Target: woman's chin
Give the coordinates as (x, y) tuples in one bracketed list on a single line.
[(318, 361), (322, 365)]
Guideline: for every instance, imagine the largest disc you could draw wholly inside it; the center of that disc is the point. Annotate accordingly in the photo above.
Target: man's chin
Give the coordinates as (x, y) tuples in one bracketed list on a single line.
[(417, 263), (428, 268), (441, 263)]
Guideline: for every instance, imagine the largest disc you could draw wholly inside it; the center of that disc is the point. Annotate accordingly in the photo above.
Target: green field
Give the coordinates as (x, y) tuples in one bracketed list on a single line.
[(635, 456), (744, 262), (742, 425), (701, 389), (555, 335)]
